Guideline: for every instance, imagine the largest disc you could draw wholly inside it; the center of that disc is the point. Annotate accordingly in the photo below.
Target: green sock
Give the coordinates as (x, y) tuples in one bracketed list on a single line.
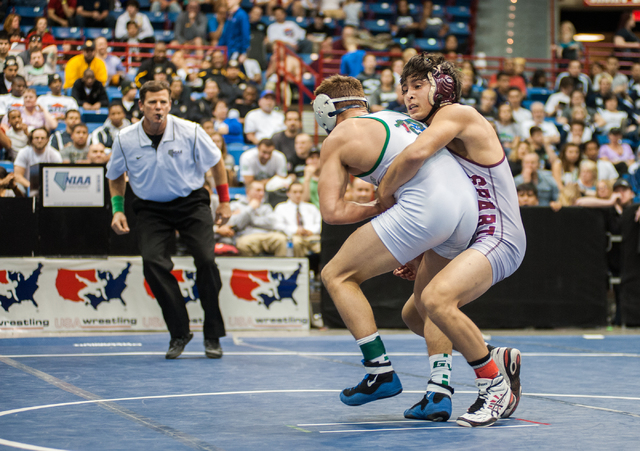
[(373, 349)]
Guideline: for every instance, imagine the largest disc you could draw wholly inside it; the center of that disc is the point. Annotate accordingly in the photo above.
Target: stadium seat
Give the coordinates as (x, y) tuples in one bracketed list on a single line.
[(267, 20), (303, 22), (61, 126), (157, 19), (164, 35), (113, 93), (438, 11), (100, 115), (25, 29), (377, 26), (460, 29), (91, 126), (144, 5), (236, 191), (94, 33), (602, 139), (428, 44), (7, 165), (40, 90), (459, 13), (382, 10), (538, 94), (197, 95), (172, 17), (28, 15), (67, 33)]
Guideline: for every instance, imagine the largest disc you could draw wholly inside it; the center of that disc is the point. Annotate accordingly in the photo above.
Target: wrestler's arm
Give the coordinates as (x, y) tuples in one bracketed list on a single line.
[(446, 125), (333, 184)]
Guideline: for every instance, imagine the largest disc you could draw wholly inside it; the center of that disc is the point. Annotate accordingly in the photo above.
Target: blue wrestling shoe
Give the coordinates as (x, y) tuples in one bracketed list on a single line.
[(372, 388), (434, 406)]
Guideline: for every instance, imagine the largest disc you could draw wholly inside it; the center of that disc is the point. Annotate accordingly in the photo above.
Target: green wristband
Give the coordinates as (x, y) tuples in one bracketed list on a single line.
[(117, 204)]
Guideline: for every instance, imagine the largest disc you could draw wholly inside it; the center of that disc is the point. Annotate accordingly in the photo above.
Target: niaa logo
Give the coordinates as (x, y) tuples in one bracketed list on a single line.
[(63, 180)]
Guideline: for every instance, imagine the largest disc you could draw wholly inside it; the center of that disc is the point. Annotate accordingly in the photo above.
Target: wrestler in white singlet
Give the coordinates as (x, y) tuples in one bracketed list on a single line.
[(437, 209)]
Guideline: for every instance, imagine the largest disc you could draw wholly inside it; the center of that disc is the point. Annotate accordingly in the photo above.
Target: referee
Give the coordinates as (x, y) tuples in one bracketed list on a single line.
[(166, 159)]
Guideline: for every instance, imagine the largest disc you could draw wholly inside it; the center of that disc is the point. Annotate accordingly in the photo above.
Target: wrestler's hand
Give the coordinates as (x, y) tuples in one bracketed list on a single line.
[(223, 213), (119, 223), (404, 272)]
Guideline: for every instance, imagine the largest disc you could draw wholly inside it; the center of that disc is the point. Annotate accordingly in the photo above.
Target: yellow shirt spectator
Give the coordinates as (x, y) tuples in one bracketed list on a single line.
[(87, 60)]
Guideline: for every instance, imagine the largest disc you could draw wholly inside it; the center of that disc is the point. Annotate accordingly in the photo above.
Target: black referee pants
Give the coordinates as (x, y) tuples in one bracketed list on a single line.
[(156, 226)]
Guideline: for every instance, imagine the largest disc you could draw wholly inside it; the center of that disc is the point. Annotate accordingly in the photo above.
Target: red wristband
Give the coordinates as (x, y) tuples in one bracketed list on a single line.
[(223, 192)]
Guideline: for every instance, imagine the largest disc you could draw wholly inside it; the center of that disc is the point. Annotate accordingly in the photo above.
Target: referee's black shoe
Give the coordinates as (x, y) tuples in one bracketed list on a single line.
[(176, 346), (212, 348)]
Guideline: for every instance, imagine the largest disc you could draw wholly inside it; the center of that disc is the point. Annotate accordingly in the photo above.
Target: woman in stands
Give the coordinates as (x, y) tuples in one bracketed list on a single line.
[(567, 48), (625, 39), (507, 128), (386, 93), (617, 152), (33, 115), (229, 162), (41, 28), (515, 159), (229, 128), (12, 27), (565, 169)]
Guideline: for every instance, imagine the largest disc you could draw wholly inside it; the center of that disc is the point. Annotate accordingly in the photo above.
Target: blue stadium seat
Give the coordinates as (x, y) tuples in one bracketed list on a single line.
[(28, 14), (267, 20), (94, 33), (156, 19), (302, 22), (538, 94), (459, 13), (377, 26), (602, 139), (40, 90), (460, 29), (164, 35), (429, 44), (61, 126), (197, 95), (67, 33), (382, 10), (91, 126), (236, 191), (527, 103), (115, 14), (144, 5), (25, 29), (7, 165), (172, 17), (100, 115), (113, 93), (438, 11)]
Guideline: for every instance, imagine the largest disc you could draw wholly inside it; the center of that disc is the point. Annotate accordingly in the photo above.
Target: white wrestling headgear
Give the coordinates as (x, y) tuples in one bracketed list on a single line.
[(325, 109)]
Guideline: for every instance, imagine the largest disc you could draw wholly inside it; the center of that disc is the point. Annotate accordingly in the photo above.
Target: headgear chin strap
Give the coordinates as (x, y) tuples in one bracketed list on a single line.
[(442, 92), (325, 109)]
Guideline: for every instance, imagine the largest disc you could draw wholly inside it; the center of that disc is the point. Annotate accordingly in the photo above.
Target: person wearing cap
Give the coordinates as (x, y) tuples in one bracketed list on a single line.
[(15, 99), (264, 121), (94, 14), (159, 59), (9, 73), (77, 65), (132, 13), (166, 159), (40, 67), (55, 102), (90, 94)]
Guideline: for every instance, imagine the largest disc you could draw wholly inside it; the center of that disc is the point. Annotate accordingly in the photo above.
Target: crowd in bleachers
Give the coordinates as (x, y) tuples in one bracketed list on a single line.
[(570, 140)]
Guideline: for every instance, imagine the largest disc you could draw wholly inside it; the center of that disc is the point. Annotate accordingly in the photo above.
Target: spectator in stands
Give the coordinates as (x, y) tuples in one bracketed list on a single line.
[(604, 189), (351, 62), (519, 66), (248, 102), (94, 14), (347, 32), (215, 22), (618, 153), (403, 25), (159, 59), (262, 163), (41, 29), (625, 39), (606, 169), (132, 13), (285, 140), (332, 9), (565, 168), (129, 102), (578, 132), (77, 150), (541, 178), (204, 105), (62, 13), (8, 186), (265, 121), (549, 130), (478, 81), (311, 177), (97, 154), (611, 117), (542, 146), (116, 72), (77, 66), (398, 104), (258, 29), (361, 191), (567, 48), (9, 72), (634, 85), (15, 99), (619, 83), (18, 133), (303, 148), (216, 70), (539, 79), (106, 133), (317, 32), (508, 129), (352, 12), (229, 161), (39, 69), (386, 92), (181, 103), (229, 128), (369, 78), (172, 6), (574, 72), (233, 83), (59, 139), (191, 26), (287, 32), (452, 48), (604, 89), (236, 34), (576, 100), (35, 44), (88, 93), (558, 101), (520, 114), (501, 87), (12, 27), (527, 195), (38, 151), (509, 68), (587, 178), (253, 225), (516, 156), (5, 46), (33, 114), (487, 105), (300, 222)]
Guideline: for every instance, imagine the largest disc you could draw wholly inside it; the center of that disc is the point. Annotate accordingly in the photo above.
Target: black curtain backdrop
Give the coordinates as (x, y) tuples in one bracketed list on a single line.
[(630, 285)]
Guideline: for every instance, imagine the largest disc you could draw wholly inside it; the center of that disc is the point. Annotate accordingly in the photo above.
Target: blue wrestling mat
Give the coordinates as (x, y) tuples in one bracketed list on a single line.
[(119, 393)]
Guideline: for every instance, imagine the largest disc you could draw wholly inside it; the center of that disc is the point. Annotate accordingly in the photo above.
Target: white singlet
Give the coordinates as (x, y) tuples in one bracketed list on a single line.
[(500, 234), (437, 209)]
